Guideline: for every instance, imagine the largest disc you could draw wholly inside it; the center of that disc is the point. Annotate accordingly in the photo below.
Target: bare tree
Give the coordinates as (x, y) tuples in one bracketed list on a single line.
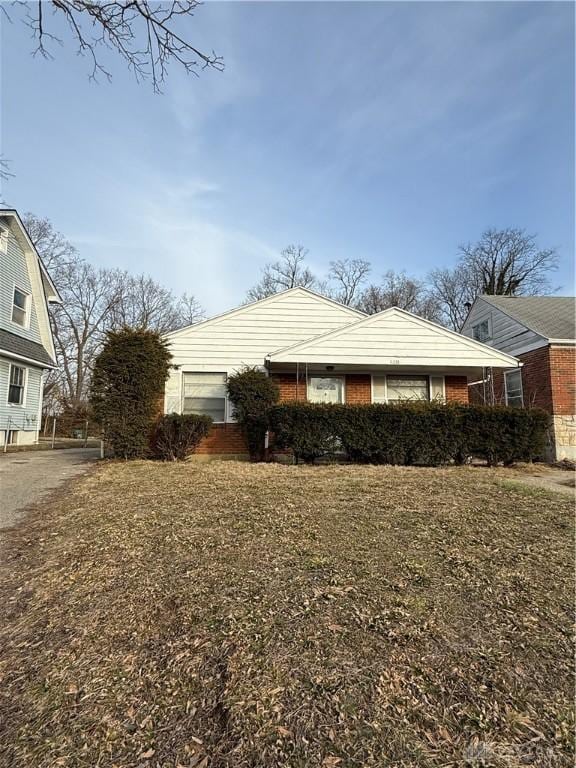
[(145, 33), (346, 278), (93, 302), (455, 290), (504, 262), (508, 262), (399, 290), (190, 311), (289, 271), (55, 250)]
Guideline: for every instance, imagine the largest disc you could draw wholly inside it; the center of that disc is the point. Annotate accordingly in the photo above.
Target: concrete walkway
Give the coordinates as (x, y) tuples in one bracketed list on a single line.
[(25, 477)]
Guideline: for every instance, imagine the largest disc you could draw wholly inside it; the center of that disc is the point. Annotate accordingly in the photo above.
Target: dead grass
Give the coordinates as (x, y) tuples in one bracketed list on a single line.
[(230, 615)]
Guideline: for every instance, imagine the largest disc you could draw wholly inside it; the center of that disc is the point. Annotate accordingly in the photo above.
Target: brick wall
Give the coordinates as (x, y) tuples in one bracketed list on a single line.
[(287, 385), (223, 438), (456, 389), (358, 390), (563, 380)]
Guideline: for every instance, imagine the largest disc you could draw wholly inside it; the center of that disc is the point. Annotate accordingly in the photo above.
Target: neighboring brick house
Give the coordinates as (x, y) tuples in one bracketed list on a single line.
[(320, 351), (539, 331)]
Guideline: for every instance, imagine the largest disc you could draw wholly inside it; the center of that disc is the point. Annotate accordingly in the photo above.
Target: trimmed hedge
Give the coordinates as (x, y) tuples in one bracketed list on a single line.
[(412, 433), (176, 436)]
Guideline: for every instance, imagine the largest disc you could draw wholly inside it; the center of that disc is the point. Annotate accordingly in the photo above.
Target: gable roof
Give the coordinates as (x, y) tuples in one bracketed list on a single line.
[(553, 317), (395, 337), (21, 234), (298, 290)]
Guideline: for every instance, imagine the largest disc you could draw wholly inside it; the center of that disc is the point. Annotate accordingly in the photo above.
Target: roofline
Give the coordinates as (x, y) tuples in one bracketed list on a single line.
[(29, 360), (250, 304), (515, 363), (14, 213), (487, 296)]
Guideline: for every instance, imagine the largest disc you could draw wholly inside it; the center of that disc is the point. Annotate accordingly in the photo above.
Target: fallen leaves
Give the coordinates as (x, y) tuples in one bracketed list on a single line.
[(233, 616)]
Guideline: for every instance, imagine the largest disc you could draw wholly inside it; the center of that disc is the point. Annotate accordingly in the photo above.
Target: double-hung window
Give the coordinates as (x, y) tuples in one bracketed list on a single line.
[(16, 385), (481, 331), (513, 385), (205, 393), (20, 307), (326, 389)]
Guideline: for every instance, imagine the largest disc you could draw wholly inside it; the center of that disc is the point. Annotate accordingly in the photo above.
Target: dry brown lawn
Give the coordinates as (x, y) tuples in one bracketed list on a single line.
[(228, 615)]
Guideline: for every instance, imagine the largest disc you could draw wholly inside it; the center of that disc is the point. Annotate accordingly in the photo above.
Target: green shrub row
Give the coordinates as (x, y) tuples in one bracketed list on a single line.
[(412, 433)]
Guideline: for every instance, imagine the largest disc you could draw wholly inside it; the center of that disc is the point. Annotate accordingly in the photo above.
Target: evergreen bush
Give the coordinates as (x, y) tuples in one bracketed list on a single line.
[(127, 389), (252, 393)]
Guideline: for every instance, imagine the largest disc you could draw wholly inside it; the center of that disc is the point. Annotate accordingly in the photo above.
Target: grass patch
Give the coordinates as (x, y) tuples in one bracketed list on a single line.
[(253, 616)]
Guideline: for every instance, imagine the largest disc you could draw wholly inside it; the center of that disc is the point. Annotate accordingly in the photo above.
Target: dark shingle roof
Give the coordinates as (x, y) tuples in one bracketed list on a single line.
[(17, 345), (553, 317)]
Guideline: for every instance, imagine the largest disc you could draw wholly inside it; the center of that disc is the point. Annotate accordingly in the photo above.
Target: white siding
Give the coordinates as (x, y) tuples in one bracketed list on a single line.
[(247, 335), (397, 338), (19, 267), (14, 272), (21, 417), (508, 334)]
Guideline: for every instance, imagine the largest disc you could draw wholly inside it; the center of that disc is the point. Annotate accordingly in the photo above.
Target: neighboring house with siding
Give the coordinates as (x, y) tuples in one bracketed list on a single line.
[(319, 351), (540, 331), (26, 345)]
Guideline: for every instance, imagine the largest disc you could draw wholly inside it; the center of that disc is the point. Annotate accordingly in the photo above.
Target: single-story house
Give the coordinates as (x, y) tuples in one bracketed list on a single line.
[(319, 351), (541, 332), (26, 344)]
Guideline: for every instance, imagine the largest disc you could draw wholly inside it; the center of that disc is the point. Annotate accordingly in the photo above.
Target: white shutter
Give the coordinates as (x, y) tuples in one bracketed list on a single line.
[(172, 399), (437, 391)]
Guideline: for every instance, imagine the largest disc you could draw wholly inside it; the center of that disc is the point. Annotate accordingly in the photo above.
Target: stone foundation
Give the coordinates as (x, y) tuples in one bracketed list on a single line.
[(564, 437)]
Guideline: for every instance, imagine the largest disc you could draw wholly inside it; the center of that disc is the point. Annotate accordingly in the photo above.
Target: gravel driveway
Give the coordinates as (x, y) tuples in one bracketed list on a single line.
[(25, 477)]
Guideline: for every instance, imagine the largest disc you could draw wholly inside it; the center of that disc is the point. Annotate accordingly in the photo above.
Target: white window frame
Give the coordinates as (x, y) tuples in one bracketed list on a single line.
[(341, 377), (488, 321), (25, 293), (509, 373), (227, 417), (24, 386), (385, 377)]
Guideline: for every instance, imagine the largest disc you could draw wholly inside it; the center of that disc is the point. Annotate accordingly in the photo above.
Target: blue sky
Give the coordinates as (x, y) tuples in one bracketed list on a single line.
[(386, 131)]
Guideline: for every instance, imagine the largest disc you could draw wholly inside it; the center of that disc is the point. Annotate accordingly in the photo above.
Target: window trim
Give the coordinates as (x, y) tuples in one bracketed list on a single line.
[(24, 386), (227, 417), (339, 376), (385, 376), (28, 296), (506, 374), (490, 337)]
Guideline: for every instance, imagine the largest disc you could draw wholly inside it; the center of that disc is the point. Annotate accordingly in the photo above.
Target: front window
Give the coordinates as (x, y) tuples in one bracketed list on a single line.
[(481, 332), (16, 385), (205, 394), (326, 389), (514, 396), (401, 388), (19, 307)]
